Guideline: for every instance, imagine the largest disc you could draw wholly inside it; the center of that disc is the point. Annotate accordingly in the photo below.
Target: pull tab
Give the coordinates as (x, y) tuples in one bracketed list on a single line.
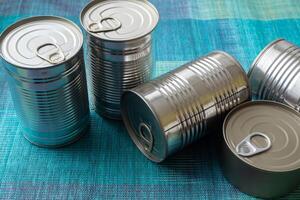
[(246, 148), (54, 57), (98, 27), (146, 136)]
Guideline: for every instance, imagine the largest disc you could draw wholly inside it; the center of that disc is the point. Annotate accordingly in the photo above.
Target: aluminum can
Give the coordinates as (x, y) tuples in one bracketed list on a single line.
[(275, 74), (261, 152), (43, 60), (119, 46), (168, 113)]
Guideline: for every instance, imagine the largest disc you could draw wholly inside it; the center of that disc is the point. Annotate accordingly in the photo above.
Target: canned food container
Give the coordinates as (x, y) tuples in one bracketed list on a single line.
[(261, 154), (119, 46), (43, 59), (275, 74), (167, 114)]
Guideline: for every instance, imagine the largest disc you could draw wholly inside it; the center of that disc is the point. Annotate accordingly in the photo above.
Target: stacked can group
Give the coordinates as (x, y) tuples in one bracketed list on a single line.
[(167, 114), (119, 46), (43, 59)]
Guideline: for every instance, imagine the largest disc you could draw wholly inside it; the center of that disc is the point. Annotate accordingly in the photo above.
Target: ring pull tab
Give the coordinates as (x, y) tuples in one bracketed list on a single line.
[(246, 148), (53, 57), (146, 137), (98, 27)]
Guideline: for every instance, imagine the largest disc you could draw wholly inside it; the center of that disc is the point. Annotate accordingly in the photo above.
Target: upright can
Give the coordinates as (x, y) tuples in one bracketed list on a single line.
[(43, 59), (261, 154), (119, 46), (275, 74), (165, 115)]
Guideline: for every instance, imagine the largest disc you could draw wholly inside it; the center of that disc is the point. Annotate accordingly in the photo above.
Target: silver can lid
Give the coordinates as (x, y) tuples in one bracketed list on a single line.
[(40, 42), (116, 20), (143, 126), (265, 135)]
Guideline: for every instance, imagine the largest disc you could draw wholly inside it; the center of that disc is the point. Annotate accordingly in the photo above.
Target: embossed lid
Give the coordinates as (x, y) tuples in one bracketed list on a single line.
[(40, 42), (144, 126), (119, 20), (265, 135)]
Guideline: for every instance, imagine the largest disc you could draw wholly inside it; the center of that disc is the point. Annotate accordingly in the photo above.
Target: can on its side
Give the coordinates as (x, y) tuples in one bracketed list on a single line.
[(120, 49), (261, 154), (43, 60), (168, 113), (275, 74)]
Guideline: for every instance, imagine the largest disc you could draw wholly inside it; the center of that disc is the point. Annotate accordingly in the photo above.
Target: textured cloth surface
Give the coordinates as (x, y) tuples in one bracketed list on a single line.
[(105, 163)]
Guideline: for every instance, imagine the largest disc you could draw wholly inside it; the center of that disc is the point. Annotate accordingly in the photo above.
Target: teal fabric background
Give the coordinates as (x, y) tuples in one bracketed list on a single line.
[(105, 163)]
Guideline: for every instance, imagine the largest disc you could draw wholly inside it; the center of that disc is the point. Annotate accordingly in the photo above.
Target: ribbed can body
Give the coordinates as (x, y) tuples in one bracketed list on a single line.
[(117, 67), (51, 103), (185, 104), (275, 74)]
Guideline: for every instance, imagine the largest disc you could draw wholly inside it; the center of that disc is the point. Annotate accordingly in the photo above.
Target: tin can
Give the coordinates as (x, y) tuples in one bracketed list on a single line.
[(167, 114), (261, 154), (119, 46), (43, 59), (274, 74)]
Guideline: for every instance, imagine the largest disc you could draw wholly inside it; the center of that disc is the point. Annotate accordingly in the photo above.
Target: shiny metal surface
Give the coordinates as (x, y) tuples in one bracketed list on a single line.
[(23, 41), (167, 114), (275, 74), (120, 49), (274, 171), (119, 20), (47, 80), (247, 148)]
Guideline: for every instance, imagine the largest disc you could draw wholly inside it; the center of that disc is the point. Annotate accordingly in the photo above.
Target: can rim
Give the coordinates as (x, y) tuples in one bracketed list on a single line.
[(94, 2), (261, 53), (256, 102), (131, 131), (39, 17)]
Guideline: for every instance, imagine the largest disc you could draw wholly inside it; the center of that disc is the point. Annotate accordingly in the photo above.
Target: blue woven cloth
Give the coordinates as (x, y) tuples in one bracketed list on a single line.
[(106, 163)]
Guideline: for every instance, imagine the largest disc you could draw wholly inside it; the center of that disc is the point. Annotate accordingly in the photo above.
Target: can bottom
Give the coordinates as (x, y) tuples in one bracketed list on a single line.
[(81, 132)]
